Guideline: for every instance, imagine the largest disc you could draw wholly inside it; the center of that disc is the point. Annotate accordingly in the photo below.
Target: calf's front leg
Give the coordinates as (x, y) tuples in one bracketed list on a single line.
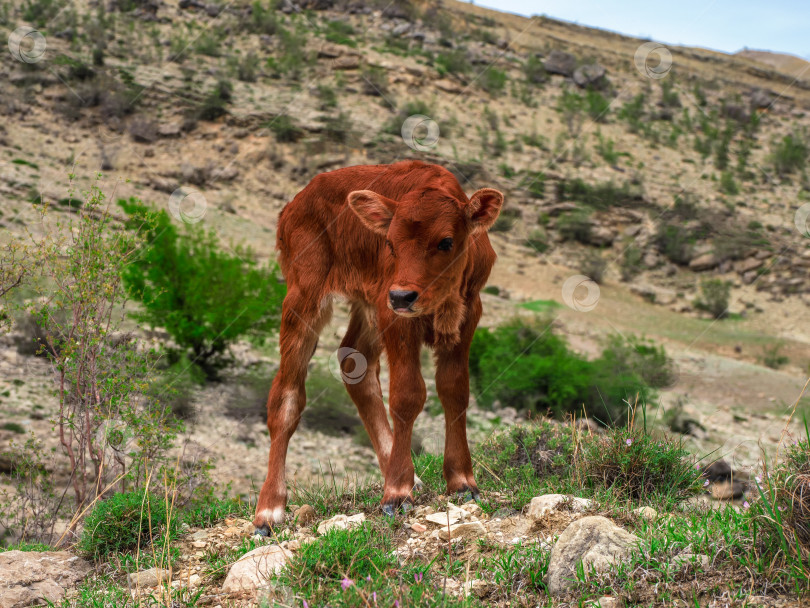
[(407, 395)]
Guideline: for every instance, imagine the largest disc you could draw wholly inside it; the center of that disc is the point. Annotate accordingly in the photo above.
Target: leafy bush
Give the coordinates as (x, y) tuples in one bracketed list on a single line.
[(597, 105), (215, 102), (593, 266), (263, 19), (675, 242), (714, 297), (204, 297), (600, 195), (526, 366), (452, 62), (636, 465), (576, 225), (790, 154), (571, 105), (124, 522), (643, 356), (631, 263), (285, 129), (492, 80), (535, 71)]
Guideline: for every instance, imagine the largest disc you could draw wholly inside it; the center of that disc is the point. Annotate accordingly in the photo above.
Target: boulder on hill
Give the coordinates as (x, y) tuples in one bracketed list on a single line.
[(560, 62)]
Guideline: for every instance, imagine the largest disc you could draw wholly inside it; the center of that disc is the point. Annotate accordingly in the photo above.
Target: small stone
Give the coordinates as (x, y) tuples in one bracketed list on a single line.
[(690, 560), (647, 513), (542, 505), (199, 544), (305, 515), (419, 528), (341, 522), (608, 602), (147, 578), (200, 535), (472, 529)]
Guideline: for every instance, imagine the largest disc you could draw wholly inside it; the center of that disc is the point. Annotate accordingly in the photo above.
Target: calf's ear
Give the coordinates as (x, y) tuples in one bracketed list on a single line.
[(484, 207), (374, 210)]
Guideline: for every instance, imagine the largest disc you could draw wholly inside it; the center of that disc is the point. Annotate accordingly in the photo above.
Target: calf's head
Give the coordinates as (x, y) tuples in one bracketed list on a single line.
[(426, 237)]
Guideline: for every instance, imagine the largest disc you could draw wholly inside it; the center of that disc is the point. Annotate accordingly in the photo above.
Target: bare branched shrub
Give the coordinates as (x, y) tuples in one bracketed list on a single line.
[(111, 433)]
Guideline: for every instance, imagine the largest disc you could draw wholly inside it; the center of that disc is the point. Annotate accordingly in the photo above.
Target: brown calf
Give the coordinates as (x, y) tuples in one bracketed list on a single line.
[(410, 251)]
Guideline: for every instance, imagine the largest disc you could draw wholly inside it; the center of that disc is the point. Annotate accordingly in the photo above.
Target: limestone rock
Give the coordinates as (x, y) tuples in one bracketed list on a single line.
[(595, 541), (647, 513), (341, 522), (31, 577), (470, 529), (590, 75), (305, 515), (148, 578), (253, 569), (686, 560), (707, 261), (542, 505)]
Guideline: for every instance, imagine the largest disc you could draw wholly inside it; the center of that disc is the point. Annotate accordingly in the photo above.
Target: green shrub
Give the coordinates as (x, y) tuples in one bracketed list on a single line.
[(631, 264), (600, 195), (571, 105), (285, 129), (124, 522), (526, 366), (634, 113), (642, 356), (576, 225), (340, 32), (538, 240), (597, 105), (772, 356), (535, 71), (593, 266), (535, 183), (204, 297), (215, 103), (635, 465), (675, 242), (714, 297), (492, 80), (263, 19), (790, 154), (728, 185), (452, 62)]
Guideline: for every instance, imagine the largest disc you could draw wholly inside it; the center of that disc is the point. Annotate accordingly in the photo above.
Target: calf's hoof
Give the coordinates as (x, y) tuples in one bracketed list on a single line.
[(394, 508), (468, 494)]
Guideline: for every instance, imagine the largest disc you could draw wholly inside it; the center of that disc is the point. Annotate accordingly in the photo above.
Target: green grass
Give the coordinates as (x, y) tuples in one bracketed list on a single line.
[(14, 427), (541, 306)]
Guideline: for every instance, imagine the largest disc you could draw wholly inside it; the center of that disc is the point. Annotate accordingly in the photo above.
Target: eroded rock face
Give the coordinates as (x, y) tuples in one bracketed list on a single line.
[(28, 578), (253, 569), (595, 541)]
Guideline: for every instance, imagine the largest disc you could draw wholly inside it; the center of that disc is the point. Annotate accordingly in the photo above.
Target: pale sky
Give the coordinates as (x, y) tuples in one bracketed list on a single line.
[(724, 25)]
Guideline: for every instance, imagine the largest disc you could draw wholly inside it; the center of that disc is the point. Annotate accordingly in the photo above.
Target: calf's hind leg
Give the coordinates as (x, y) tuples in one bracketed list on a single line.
[(302, 319)]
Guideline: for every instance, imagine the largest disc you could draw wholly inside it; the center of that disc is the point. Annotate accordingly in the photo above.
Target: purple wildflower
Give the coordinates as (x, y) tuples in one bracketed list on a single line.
[(746, 505), (705, 483), (306, 605), (346, 583), (374, 596), (418, 577), (629, 442)]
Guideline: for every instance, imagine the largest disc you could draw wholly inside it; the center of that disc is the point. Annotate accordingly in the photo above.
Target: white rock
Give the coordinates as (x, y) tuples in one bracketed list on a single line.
[(471, 529), (647, 513), (147, 578), (253, 569), (341, 522), (686, 560), (542, 505), (595, 541)]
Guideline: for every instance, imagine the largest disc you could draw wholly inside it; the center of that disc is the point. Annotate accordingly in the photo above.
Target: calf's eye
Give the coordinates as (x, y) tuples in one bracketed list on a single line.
[(445, 244)]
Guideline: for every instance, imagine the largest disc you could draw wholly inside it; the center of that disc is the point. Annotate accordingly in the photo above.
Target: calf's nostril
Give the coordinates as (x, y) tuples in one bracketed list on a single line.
[(402, 298)]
